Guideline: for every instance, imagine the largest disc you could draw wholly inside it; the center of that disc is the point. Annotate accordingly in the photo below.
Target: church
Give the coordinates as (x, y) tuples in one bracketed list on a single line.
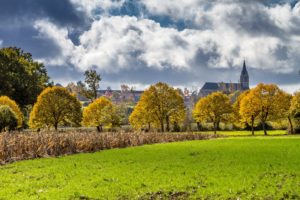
[(210, 87)]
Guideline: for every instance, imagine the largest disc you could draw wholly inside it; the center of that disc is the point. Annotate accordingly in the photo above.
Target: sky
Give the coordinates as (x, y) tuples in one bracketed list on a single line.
[(140, 42)]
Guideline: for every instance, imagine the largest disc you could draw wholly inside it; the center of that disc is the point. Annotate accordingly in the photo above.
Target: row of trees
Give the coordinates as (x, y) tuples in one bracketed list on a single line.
[(161, 107), (259, 105)]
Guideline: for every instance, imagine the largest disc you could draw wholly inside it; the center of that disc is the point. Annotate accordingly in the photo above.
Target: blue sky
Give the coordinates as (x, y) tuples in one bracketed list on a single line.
[(140, 42)]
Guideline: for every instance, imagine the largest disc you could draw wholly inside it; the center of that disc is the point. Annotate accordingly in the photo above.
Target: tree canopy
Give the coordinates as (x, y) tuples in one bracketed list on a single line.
[(21, 78), (4, 100), (55, 106), (160, 104), (214, 108), (99, 113)]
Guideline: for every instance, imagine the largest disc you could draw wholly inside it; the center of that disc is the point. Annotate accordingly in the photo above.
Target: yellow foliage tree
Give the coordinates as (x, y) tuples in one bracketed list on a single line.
[(295, 107), (236, 116), (249, 109), (55, 106), (4, 100), (160, 104), (214, 108), (99, 113), (266, 101)]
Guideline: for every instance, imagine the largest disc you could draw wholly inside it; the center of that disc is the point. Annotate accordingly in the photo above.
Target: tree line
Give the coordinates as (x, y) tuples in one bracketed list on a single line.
[(161, 107)]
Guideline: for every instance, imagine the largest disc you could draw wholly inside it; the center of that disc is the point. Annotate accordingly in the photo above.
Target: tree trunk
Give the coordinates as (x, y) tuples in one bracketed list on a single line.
[(162, 128), (168, 123), (264, 127), (198, 126), (149, 126), (291, 125), (252, 124), (55, 126), (99, 128), (215, 128)]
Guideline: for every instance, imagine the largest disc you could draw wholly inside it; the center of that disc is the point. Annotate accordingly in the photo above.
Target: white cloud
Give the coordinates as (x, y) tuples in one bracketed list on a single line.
[(91, 7), (1, 42), (224, 34)]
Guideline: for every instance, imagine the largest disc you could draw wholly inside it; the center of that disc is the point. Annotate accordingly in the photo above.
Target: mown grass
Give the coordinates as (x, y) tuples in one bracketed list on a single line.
[(240, 167)]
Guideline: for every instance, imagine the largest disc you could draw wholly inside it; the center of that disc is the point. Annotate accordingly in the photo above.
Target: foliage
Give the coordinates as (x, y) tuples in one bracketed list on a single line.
[(8, 118), (21, 78), (100, 113), (4, 100), (265, 101), (231, 168), (55, 106), (92, 80), (237, 119), (160, 104), (214, 108)]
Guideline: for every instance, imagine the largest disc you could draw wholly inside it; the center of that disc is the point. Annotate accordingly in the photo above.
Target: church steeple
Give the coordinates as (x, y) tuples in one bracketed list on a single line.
[(244, 78)]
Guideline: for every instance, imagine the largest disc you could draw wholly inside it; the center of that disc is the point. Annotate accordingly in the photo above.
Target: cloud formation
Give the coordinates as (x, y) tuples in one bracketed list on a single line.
[(193, 40)]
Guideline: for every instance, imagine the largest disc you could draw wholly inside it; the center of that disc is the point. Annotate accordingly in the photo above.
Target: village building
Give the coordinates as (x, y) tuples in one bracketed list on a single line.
[(227, 88)]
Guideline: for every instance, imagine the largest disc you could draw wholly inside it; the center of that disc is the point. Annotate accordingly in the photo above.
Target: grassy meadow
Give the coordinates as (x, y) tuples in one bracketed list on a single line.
[(224, 168)]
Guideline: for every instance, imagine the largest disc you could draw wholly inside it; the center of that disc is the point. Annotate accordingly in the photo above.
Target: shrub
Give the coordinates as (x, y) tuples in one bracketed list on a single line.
[(4, 100), (8, 118)]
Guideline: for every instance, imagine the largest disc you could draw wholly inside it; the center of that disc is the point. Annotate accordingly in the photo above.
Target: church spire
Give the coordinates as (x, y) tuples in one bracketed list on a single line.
[(244, 78)]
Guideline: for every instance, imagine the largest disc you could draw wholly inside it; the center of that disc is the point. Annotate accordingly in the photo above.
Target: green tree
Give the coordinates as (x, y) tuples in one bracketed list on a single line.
[(92, 79), (214, 108), (55, 106), (8, 118), (21, 78)]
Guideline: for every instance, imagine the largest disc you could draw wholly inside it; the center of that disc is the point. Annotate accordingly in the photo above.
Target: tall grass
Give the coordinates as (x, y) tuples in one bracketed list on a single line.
[(30, 145)]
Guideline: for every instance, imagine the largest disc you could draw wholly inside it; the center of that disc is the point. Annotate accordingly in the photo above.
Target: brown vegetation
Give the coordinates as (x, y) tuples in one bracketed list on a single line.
[(22, 146)]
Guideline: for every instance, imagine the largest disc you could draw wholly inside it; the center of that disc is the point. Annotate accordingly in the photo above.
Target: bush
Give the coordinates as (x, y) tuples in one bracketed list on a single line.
[(8, 118), (4, 100)]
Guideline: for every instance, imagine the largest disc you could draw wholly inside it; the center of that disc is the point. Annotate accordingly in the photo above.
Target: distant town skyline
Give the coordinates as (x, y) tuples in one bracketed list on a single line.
[(141, 42)]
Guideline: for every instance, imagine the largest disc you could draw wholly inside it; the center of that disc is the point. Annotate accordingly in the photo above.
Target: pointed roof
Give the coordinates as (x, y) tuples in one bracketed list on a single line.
[(244, 71)]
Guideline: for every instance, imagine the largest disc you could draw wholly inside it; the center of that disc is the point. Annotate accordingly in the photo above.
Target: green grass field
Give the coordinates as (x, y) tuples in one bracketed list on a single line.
[(249, 133), (244, 167)]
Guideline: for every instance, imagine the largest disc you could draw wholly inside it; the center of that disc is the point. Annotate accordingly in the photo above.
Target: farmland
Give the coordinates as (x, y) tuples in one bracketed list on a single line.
[(224, 168)]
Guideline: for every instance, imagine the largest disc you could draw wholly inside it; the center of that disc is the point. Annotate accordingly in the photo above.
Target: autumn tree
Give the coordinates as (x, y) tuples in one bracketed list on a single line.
[(268, 101), (161, 104), (100, 113), (236, 118), (21, 78), (4, 100), (249, 109), (214, 108), (55, 106), (295, 107), (8, 118), (141, 118)]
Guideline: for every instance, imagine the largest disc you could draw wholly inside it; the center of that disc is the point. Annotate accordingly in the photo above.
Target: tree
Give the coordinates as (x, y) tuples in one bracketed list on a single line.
[(267, 101), (92, 80), (161, 104), (8, 118), (4, 100), (55, 106), (249, 109), (237, 119), (141, 118), (295, 106), (21, 78), (100, 113), (214, 108)]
